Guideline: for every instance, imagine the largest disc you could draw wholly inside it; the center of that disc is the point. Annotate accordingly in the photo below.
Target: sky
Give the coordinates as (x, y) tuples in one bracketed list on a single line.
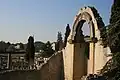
[(43, 18)]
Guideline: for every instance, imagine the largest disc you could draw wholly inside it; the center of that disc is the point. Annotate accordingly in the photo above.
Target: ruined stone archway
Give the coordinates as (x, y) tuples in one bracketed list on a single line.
[(75, 61)]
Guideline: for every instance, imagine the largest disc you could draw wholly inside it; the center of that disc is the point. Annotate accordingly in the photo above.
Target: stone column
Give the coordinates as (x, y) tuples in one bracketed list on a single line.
[(80, 61), (91, 59), (9, 61), (68, 61)]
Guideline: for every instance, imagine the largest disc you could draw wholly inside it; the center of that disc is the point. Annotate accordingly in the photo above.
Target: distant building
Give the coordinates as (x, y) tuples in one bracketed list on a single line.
[(17, 46)]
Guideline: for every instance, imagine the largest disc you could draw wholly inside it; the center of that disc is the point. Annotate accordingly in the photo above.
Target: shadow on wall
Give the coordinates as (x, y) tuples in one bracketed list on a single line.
[(52, 70)]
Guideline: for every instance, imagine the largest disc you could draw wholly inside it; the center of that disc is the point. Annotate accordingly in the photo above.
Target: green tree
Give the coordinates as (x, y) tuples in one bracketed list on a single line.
[(8, 43), (47, 50), (22, 46), (30, 51), (67, 33), (59, 43), (115, 12), (112, 68), (38, 45), (114, 27)]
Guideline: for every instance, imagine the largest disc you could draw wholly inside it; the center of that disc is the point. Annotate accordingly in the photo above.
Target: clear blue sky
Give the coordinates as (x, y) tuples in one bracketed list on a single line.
[(42, 18)]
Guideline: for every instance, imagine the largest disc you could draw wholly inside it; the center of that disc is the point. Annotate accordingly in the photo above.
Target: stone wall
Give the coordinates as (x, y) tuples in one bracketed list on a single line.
[(52, 70)]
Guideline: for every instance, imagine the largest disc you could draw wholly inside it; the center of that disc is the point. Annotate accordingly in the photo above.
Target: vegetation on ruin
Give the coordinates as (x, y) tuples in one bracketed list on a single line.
[(112, 69), (101, 26)]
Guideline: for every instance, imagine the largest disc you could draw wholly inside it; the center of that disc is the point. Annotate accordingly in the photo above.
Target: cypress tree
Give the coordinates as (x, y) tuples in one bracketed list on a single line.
[(115, 12), (30, 51), (112, 68), (114, 27), (67, 33), (59, 43)]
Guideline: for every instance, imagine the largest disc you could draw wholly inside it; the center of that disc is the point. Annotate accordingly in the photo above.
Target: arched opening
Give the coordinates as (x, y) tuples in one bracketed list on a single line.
[(81, 48), (86, 32), (85, 23), (86, 29), (84, 45)]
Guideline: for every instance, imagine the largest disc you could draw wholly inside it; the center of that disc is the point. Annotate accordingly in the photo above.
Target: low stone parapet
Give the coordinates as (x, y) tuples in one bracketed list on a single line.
[(52, 70)]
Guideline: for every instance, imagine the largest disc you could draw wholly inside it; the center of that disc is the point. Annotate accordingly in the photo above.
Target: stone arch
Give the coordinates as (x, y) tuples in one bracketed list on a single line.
[(89, 15), (79, 65)]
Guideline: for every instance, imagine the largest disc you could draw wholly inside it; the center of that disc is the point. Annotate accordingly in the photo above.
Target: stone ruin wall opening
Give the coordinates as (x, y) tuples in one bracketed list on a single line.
[(78, 64)]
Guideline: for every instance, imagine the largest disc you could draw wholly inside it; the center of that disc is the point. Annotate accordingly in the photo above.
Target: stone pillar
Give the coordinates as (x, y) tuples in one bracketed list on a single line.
[(68, 61), (9, 61), (91, 59), (100, 56), (80, 61), (75, 61)]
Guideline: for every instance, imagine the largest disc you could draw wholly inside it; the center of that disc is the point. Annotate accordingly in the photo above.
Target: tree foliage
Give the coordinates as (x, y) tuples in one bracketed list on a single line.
[(101, 26), (59, 43), (38, 45), (67, 33), (22, 46), (112, 68), (114, 27), (115, 12), (47, 50), (30, 50)]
